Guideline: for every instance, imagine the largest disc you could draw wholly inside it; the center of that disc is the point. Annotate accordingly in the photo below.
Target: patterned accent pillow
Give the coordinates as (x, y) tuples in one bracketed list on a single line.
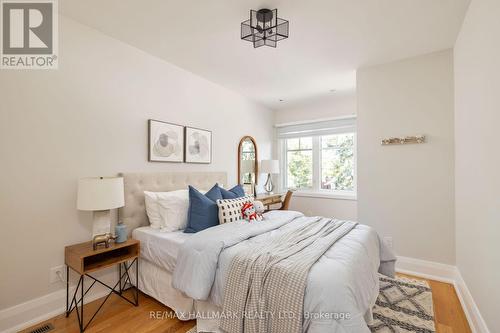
[(230, 209)]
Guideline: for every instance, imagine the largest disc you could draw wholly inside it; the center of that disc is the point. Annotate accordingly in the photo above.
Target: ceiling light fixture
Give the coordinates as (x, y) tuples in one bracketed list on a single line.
[(264, 28)]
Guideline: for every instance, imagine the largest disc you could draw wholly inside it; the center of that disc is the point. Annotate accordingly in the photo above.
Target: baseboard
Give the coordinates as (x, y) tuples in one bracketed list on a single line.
[(24, 315), (449, 274), (426, 269), (471, 310)]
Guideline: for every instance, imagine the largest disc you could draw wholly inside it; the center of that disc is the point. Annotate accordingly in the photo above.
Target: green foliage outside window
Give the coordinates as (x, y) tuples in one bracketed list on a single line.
[(337, 169), (300, 169), (337, 162), (300, 164)]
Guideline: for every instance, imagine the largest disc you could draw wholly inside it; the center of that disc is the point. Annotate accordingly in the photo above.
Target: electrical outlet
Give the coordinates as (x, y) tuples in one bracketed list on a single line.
[(388, 242), (57, 274)]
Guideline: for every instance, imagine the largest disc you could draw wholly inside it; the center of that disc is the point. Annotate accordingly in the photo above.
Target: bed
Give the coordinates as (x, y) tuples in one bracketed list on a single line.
[(155, 279), (188, 272)]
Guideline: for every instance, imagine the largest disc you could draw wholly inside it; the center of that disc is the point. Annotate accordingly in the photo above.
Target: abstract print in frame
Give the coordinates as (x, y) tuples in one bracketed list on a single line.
[(166, 141), (198, 145)]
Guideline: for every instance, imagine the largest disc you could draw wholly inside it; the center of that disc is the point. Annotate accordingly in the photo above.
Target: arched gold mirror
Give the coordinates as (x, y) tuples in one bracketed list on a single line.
[(248, 165)]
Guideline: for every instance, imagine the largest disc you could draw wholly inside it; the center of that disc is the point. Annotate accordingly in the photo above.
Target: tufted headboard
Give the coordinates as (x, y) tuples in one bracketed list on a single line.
[(133, 214)]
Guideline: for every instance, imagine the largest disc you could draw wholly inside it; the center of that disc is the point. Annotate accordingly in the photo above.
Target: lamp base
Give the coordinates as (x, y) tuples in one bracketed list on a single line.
[(268, 186), (102, 223)]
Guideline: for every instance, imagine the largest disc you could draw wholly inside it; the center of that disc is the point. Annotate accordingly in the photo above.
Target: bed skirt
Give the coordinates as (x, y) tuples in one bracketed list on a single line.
[(157, 283)]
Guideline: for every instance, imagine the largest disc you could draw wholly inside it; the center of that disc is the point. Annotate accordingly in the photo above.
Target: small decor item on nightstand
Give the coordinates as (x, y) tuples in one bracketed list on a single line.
[(120, 232), (270, 167), (102, 239)]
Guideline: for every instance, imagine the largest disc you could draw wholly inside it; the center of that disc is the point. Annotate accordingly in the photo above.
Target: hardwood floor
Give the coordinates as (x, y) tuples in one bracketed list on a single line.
[(448, 313), (119, 316)]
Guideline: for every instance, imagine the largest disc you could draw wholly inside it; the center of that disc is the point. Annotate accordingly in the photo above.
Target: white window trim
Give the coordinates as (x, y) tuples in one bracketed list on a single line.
[(340, 195), (317, 192)]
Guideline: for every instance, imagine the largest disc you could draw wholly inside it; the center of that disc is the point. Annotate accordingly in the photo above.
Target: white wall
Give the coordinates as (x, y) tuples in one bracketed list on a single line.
[(334, 105), (89, 118), (344, 209), (477, 161), (338, 104), (406, 192)]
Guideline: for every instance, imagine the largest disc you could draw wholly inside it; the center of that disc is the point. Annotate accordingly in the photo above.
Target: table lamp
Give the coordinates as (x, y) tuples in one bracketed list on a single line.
[(100, 194), (270, 167)]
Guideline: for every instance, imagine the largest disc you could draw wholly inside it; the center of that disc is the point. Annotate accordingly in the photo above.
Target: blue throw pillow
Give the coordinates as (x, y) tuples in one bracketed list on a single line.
[(235, 192), (203, 212)]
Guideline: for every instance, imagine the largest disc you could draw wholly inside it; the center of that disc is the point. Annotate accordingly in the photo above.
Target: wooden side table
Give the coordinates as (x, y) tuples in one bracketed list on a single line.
[(269, 199), (82, 259)]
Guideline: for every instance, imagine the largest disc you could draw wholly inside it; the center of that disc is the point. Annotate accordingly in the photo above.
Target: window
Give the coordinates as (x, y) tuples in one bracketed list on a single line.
[(319, 158), (299, 156), (337, 162)]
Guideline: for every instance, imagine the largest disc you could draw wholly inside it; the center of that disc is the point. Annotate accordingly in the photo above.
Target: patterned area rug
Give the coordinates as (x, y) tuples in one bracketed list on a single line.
[(403, 306)]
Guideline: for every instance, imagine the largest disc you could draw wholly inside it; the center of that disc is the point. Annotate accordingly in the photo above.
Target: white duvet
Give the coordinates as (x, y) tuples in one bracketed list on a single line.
[(342, 285)]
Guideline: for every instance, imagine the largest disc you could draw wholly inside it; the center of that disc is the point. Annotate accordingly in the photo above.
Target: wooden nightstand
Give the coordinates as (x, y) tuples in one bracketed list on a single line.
[(269, 199), (82, 259)]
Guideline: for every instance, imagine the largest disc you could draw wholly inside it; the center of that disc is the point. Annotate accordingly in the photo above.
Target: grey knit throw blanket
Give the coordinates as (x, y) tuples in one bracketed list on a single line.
[(265, 288)]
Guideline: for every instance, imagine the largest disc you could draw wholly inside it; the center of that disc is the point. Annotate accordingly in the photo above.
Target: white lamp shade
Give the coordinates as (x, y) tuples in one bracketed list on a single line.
[(100, 193), (270, 166)]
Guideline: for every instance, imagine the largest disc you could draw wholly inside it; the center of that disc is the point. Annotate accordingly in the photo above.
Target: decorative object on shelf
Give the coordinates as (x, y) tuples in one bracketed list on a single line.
[(100, 194), (404, 140), (271, 167), (166, 142), (248, 166), (120, 232), (264, 28), (198, 146), (102, 239)]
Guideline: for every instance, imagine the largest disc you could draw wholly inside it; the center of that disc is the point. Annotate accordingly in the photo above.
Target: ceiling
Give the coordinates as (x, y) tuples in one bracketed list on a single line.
[(329, 39)]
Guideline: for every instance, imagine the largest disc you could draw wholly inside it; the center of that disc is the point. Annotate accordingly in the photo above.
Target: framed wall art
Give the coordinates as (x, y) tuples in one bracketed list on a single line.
[(198, 146), (166, 142)]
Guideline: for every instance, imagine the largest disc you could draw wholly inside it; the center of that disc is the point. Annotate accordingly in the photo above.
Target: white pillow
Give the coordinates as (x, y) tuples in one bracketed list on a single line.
[(168, 211), (173, 208), (152, 209), (230, 209)]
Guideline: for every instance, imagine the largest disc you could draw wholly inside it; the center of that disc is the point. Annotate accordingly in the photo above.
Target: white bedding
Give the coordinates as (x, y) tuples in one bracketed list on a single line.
[(159, 247), (343, 281)]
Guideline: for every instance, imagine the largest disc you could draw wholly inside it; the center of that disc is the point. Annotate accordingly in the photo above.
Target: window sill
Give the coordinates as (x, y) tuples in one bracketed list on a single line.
[(324, 194)]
